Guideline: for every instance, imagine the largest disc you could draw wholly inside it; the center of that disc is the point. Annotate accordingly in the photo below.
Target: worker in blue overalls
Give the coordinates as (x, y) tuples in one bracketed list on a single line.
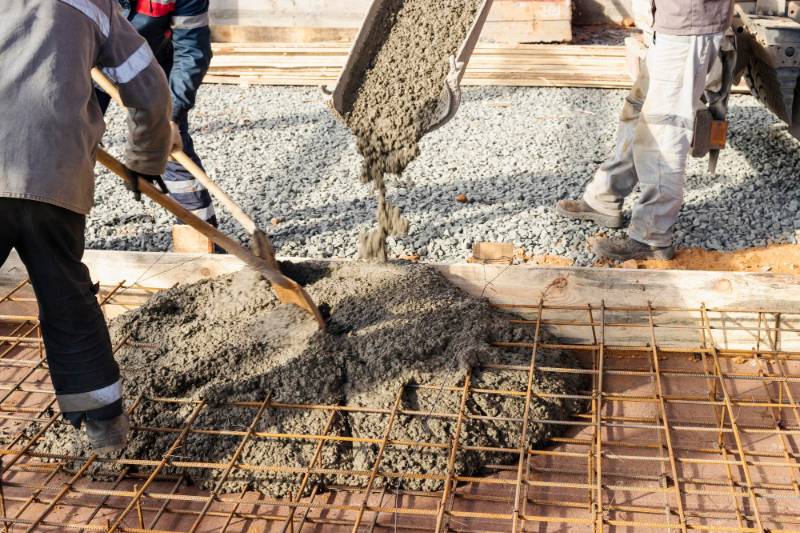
[(178, 34)]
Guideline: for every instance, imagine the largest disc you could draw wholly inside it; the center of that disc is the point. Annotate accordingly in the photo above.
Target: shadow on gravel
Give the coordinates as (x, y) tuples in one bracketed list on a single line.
[(276, 123)]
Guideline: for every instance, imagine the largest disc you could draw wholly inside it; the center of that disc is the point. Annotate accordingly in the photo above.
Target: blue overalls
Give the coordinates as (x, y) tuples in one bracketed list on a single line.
[(177, 32)]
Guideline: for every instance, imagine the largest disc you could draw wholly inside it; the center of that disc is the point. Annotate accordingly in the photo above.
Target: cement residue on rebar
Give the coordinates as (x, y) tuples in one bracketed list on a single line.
[(398, 96), (394, 329)]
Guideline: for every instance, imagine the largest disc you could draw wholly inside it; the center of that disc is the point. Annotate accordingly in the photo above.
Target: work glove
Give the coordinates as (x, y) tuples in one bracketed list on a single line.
[(177, 142), (132, 183)]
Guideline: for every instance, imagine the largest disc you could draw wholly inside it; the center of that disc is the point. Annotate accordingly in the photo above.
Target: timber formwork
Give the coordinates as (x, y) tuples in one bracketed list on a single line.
[(681, 432)]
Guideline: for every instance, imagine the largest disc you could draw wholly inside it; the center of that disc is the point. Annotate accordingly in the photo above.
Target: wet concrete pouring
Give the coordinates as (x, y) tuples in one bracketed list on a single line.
[(396, 101), (392, 327)]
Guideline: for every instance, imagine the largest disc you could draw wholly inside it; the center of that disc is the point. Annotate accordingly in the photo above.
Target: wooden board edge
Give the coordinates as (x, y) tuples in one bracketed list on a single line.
[(518, 285)]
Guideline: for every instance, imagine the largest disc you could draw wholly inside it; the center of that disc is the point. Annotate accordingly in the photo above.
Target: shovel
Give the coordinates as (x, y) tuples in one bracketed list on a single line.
[(288, 291), (261, 244)]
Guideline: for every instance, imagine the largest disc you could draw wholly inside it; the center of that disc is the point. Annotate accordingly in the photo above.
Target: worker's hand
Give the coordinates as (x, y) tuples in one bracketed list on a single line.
[(132, 183), (177, 142)]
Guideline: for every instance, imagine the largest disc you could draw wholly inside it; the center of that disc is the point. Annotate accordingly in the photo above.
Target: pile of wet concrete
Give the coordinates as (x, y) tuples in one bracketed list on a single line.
[(394, 329)]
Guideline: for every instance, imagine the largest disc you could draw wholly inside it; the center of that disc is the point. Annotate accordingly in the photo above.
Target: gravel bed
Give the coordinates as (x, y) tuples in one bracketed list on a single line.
[(512, 151)]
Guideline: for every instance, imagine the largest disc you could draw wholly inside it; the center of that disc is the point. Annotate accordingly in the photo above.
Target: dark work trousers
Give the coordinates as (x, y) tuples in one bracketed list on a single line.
[(50, 242), (182, 186)]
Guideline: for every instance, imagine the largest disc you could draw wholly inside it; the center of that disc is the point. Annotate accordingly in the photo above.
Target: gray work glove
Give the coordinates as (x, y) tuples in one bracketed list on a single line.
[(132, 183)]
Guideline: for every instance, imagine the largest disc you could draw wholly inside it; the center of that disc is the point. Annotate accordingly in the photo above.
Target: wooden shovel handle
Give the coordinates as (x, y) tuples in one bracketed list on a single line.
[(185, 216), (287, 290), (194, 169)]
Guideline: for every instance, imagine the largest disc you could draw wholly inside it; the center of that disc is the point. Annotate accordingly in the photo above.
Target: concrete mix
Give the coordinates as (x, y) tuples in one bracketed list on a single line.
[(392, 327), (398, 96)]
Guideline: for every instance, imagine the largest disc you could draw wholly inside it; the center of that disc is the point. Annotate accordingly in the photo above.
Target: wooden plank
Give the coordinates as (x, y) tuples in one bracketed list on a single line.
[(488, 252), (526, 21), (528, 10), (492, 64), (580, 286), (322, 20), (226, 33), (723, 292), (521, 284), (187, 240), (295, 13), (150, 269)]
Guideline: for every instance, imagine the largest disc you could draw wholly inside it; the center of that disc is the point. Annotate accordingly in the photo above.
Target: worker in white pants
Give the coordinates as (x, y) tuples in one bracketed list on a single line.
[(653, 143)]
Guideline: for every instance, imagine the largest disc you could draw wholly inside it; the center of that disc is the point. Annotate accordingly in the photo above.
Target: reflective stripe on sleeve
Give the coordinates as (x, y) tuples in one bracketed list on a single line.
[(190, 23), (93, 12), (131, 67), (88, 401)]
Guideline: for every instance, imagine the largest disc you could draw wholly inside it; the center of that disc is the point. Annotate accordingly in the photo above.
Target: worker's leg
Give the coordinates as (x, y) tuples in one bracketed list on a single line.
[(617, 177), (85, 375), (7, 233), (678, 68), (183, 187)]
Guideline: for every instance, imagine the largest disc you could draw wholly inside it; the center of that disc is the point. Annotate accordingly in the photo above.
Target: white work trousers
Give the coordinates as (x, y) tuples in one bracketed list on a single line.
[(655, 135)]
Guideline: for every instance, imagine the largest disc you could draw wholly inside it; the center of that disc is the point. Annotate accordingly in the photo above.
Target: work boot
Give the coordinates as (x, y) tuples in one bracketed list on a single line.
[(580, 210), (625, 248), (107, 436)]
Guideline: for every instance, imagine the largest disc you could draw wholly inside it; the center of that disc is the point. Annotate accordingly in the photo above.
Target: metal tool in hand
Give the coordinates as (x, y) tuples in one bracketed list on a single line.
[(711, 123)]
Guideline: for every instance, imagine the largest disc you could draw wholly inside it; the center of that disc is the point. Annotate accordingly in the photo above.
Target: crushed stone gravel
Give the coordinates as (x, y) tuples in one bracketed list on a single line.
[(512, 151)]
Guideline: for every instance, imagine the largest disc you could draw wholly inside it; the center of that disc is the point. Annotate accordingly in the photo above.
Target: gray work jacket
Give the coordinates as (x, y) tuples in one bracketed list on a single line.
[(683, 17), (50, 121)]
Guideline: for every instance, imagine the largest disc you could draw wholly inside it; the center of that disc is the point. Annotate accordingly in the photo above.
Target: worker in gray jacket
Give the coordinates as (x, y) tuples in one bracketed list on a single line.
[(50, 126), (655, 129)]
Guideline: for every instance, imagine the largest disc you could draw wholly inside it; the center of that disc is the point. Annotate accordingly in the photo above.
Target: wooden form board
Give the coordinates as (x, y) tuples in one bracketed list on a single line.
[(725, 294), (525, 65), (491, 64), (528, 21), (324, 20)]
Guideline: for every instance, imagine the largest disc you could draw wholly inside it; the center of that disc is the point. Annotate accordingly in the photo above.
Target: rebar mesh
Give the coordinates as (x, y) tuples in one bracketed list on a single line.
[(692, 424)]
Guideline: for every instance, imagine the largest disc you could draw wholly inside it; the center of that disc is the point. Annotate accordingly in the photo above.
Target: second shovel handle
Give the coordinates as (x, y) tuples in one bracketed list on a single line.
[(216, 236), (194, 169)]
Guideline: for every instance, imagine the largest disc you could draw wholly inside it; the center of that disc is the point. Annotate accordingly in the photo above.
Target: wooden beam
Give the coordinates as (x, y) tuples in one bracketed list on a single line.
[(502, 284), (187, 240), (150, 269), (321, 20), (491, 64), (230, 33), (726, 294)]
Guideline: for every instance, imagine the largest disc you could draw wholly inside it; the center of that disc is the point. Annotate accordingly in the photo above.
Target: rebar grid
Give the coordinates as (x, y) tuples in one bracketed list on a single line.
[(691, 424)]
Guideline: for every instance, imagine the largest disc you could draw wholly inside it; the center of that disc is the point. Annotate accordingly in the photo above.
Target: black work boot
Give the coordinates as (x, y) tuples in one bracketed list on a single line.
[(580, 210), (625, 248), (107, 436)]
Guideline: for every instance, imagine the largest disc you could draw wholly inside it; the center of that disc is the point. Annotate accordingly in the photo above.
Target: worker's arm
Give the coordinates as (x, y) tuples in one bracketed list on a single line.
[(127, 61), (191, 41)]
